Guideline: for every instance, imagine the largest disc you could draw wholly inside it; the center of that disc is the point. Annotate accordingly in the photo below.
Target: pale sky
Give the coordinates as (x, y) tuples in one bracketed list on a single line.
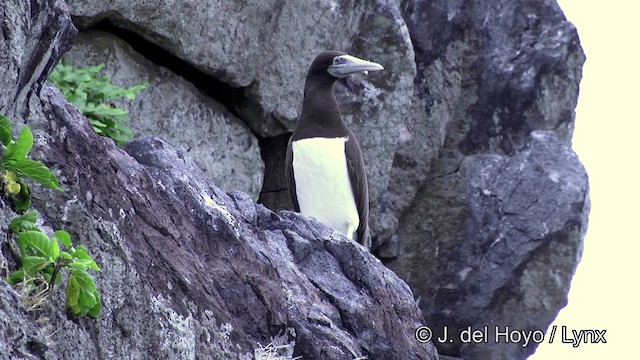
[(604, 292)]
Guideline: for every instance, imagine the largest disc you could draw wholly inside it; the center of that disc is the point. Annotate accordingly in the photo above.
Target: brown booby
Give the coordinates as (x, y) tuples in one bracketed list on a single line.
[(324, 165)]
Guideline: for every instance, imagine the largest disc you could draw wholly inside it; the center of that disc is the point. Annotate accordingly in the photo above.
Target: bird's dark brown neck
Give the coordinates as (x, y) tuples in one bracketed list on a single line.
[(320, 112)]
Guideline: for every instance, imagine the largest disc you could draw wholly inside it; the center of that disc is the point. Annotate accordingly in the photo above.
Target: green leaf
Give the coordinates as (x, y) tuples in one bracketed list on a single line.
[(65, 255), (133, 91), (23, 199), (21, 148), (97, 123), (93, 70), (34, 264), (17, 277), (34, 243), (82, 255), (26, 221), (46, 276), (78, 98), (55, 249), (5, 130), (73, 294), (82, 293), (106, 110), (38, 172), (79, 265), (85, 281), (64, 238), (122, 128), (58, 278), (94, 312), (119, 137), (98, 130), (92, 94)]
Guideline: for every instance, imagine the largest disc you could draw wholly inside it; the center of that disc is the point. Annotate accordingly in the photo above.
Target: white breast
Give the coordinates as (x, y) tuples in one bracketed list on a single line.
[(322, 183)]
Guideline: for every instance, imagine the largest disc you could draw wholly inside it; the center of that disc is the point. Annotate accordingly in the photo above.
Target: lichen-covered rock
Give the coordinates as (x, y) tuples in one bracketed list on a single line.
[(174, 109)]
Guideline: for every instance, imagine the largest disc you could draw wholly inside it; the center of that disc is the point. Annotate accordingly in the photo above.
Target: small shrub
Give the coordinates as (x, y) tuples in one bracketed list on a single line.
[(92, 94), (15, 166), (43, 259)]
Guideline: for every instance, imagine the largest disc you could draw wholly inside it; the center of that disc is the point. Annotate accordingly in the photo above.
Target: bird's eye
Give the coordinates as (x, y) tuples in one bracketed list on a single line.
[(339, 60)]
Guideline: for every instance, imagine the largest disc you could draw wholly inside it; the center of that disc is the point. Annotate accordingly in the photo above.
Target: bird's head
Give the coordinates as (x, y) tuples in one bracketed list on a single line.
[(339, 65)]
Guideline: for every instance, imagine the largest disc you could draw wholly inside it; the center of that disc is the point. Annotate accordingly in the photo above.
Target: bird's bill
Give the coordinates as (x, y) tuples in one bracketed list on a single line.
[(344, 65)]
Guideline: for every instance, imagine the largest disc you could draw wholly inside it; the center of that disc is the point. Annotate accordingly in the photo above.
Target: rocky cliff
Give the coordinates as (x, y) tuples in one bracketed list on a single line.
[(478, 201)]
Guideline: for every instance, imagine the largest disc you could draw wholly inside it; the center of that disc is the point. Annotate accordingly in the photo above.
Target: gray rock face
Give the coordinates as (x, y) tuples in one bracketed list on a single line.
[(217, 272), (487, 77), (478, 196), (495, 85), (265, 47), (504, 250), (172, 108), (28, 53), (190, 271), (19, 339), (477, 199)]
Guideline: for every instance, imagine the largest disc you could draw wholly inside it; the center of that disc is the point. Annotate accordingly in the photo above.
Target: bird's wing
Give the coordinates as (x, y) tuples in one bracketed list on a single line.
[(291, 181), (358, 178)]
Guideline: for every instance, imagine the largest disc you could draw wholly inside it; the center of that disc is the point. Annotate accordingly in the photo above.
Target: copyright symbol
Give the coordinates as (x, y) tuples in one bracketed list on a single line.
[(423, 334)]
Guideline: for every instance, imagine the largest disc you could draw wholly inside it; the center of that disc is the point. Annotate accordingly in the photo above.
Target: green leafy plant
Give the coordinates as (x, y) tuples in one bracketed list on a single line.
[(44, 259), (15, 166), (92, 94)]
